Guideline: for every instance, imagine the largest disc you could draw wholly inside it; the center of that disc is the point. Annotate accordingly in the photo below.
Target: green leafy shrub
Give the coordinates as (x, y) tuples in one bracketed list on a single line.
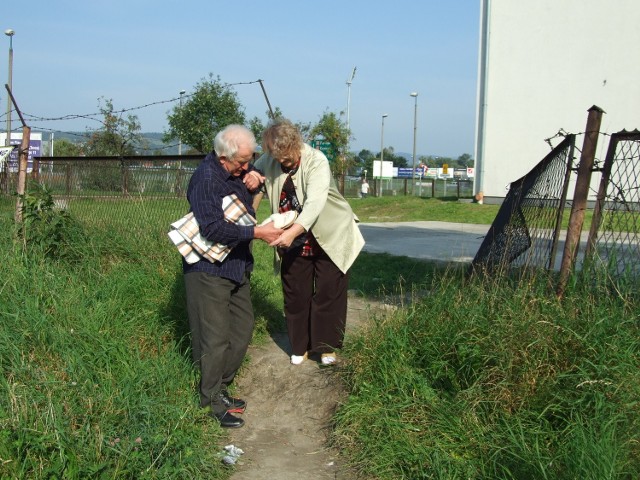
[(48, 228)]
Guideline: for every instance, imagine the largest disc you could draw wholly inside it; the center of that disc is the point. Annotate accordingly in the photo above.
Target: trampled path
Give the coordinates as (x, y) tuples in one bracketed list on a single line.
[(289, 411)]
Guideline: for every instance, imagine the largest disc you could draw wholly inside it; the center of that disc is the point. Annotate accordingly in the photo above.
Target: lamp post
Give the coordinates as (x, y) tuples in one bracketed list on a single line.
[(182, 92), (9, 33), (353, 74), (384, 115), (415, 126)]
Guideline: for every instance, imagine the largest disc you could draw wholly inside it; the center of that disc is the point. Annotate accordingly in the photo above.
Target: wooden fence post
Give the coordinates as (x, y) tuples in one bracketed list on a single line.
[(576, 220), (23, 158)]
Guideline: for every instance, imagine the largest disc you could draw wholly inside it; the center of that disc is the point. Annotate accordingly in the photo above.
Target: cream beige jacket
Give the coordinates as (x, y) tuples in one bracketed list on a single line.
[(324, 211)]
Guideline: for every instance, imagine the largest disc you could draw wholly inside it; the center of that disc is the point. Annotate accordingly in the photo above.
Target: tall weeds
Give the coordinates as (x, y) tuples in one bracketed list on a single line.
[(97, 380), (496, 380)]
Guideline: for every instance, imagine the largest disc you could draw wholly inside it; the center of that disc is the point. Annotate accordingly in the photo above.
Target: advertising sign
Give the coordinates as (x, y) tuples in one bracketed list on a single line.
[(35, 148), (404, 172)]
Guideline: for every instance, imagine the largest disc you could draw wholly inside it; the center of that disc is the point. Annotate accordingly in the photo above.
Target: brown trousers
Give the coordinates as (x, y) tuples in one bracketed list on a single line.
[(315, 302)]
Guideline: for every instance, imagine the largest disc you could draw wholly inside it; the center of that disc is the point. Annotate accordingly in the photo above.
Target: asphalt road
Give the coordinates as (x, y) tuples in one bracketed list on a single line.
[(443, 241)]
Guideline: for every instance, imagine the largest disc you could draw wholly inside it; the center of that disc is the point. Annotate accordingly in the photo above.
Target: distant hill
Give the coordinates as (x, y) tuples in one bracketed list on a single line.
[(152, 139)]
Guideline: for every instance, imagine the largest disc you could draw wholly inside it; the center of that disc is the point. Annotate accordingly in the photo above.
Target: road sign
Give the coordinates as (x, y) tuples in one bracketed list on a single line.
[(324, 147)]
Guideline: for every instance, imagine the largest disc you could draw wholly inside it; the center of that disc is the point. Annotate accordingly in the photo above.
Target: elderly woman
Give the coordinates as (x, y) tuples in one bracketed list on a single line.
[(317, 250)]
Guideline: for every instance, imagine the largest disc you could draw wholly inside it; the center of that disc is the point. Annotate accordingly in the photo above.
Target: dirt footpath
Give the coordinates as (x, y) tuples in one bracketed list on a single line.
[(289, 410)]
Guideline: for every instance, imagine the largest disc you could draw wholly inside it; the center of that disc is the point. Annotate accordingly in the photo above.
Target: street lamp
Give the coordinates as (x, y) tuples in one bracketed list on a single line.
[(384, 115), (182, 92), (415, 125), (9, 33), (353, 74)]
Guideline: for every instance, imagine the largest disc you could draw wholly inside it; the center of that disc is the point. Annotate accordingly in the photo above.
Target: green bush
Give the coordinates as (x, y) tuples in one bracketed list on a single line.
[(47, 228)]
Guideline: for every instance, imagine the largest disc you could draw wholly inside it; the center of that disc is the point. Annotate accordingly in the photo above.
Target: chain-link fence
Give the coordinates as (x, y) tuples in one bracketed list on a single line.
[(112, 193), (613, 244), (120, 184), (526, 230)]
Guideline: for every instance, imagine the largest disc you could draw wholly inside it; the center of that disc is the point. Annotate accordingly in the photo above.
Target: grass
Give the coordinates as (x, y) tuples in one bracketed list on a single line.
[(96, 383), (495, 380), (409, 209), (473, 379)]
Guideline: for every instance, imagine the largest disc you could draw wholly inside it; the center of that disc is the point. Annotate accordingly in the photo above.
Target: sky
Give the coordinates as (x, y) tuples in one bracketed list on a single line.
[(68, 54)]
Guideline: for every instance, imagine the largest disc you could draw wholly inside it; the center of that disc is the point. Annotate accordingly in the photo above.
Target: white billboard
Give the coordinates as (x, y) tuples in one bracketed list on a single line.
[(387, 169)]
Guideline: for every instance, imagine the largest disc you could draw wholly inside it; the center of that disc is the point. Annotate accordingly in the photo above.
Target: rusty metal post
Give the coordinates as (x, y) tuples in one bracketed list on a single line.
[(576, 220), (67, 178), (23, 158)]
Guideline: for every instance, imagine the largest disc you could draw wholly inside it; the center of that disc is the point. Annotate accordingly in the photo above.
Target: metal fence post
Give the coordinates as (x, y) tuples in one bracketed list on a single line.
[(576, 220)]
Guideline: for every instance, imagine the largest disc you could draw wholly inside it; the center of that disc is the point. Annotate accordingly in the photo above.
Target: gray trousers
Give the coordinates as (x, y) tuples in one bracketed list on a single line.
[(221, 322)]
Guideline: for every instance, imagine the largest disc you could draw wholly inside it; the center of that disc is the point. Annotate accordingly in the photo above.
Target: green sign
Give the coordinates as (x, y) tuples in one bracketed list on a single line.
[(324, 147)]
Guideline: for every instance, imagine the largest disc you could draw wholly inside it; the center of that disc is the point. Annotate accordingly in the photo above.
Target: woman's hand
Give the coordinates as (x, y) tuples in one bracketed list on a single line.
[(288, 236)]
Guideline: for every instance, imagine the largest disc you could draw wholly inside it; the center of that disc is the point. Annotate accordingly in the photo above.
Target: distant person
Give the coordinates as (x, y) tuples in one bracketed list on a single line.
[(317, 251), (364, 188), (218, 297)]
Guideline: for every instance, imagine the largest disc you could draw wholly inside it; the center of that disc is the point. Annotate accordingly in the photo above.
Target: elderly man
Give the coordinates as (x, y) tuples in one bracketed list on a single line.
[(218, 293)]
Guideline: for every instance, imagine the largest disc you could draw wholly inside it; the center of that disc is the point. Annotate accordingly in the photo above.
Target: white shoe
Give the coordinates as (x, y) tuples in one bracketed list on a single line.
[(329, 358), (298, 359)]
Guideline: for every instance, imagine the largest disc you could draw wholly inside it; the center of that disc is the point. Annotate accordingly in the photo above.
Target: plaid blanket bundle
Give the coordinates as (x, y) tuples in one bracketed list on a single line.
[(185, 233)]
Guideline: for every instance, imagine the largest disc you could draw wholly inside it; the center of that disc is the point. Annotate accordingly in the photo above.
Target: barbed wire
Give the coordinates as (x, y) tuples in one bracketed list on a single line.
[(90, 116)]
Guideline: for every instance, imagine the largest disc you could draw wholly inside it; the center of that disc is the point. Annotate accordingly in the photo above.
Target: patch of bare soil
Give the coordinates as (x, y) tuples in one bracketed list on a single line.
[(289, 411)]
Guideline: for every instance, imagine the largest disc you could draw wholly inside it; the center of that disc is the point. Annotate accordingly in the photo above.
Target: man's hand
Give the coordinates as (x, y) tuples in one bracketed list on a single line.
[(253, 180), (267, 232)]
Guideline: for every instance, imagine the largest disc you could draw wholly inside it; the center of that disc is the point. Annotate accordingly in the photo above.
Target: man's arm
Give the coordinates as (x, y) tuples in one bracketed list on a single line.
[(267, 233)]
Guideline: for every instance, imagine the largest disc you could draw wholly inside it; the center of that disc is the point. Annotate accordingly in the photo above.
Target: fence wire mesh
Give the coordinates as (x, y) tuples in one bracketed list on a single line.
[(96, 188), (613, 244), (526, 229), (108, 193)]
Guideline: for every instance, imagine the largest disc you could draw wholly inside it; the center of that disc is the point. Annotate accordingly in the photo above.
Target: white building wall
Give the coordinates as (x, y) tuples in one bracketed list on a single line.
[(543, 64)]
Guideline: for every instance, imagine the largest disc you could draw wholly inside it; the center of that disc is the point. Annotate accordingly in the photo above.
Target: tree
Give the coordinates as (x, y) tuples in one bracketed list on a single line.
[(118, 135), (365, 160), (390, 156), (465, 160), (208, 110), (332, 130), (66, 148)]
